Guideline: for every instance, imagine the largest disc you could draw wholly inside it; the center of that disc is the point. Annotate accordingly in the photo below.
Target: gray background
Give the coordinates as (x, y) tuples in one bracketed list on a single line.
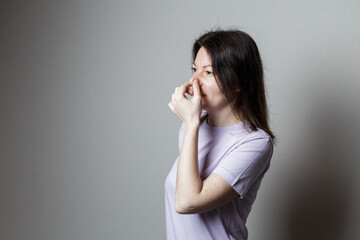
[(87, 139)]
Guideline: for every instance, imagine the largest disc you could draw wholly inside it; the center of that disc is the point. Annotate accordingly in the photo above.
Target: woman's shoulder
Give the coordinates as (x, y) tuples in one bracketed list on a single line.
[(248, 135)]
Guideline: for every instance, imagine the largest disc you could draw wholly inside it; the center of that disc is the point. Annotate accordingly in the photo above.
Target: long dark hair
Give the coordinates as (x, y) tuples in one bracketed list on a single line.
[(238, 70)]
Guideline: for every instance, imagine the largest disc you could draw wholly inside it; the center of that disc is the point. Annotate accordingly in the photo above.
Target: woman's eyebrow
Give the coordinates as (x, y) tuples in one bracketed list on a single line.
[(209, 65)]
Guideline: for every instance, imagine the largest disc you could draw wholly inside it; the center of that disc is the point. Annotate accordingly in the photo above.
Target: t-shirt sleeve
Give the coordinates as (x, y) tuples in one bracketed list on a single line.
[(246, 163)]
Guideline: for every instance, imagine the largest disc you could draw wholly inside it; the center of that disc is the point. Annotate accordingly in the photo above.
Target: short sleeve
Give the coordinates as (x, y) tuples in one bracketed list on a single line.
[(246, 163)]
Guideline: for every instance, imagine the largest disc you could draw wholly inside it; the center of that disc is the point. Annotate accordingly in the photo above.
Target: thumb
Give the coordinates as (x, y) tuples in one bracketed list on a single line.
[(196, 88)]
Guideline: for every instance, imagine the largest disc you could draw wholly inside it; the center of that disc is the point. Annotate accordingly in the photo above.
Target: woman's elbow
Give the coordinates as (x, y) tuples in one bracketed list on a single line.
[(184, 207)]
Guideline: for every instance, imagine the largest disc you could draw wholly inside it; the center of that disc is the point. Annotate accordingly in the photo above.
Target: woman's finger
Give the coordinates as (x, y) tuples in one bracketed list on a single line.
[(180, 91), (183, 89), (173, 109), (196, 88), (185, 86), (171, 106), (190, 92), (176, 90), (189, 89)]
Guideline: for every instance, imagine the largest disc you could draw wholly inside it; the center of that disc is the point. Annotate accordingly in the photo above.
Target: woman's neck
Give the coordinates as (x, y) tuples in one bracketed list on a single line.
[(222, 119)]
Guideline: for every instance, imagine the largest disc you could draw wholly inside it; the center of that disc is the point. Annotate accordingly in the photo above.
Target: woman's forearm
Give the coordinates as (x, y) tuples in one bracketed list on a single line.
[(188, 181)]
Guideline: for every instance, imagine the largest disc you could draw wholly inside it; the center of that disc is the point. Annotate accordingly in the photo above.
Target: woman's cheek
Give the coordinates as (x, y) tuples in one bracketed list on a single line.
[(203, 90)]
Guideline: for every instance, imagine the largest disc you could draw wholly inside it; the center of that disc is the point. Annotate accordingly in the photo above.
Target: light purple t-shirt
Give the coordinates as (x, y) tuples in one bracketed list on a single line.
[(241, 159)]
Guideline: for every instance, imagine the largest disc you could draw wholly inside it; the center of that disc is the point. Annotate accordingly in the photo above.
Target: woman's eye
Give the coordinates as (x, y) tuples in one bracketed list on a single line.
[(208, 73), (193, 69)]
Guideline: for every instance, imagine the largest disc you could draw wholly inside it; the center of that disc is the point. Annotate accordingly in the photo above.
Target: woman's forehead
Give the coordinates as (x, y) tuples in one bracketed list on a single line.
[(203, 58)]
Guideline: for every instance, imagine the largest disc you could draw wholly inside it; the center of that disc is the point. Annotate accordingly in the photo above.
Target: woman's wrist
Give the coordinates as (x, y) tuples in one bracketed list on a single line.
[(193, 125)]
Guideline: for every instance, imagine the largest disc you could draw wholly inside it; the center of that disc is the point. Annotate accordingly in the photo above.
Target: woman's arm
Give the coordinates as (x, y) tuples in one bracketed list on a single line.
[(192, 194), (188, 181)]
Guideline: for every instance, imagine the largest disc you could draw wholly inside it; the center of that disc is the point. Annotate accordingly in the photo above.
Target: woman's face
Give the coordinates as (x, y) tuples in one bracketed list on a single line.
[(213, 98)]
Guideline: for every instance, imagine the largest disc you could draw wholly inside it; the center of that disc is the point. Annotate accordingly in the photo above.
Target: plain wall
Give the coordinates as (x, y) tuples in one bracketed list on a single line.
[(87, 139)]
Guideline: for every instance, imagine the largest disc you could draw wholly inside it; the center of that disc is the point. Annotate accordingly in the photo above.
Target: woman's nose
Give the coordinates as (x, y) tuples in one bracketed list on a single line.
[(194, 76)]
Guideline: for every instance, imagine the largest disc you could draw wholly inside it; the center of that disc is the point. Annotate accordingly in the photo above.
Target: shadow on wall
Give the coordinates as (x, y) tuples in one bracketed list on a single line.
[(321, 198)]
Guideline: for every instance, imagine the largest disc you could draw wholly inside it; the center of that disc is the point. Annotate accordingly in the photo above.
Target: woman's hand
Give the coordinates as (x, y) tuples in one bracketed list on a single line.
[(188, 110)]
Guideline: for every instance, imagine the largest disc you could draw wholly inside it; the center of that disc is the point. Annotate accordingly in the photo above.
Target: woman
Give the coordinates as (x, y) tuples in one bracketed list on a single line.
[(225, 152)]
